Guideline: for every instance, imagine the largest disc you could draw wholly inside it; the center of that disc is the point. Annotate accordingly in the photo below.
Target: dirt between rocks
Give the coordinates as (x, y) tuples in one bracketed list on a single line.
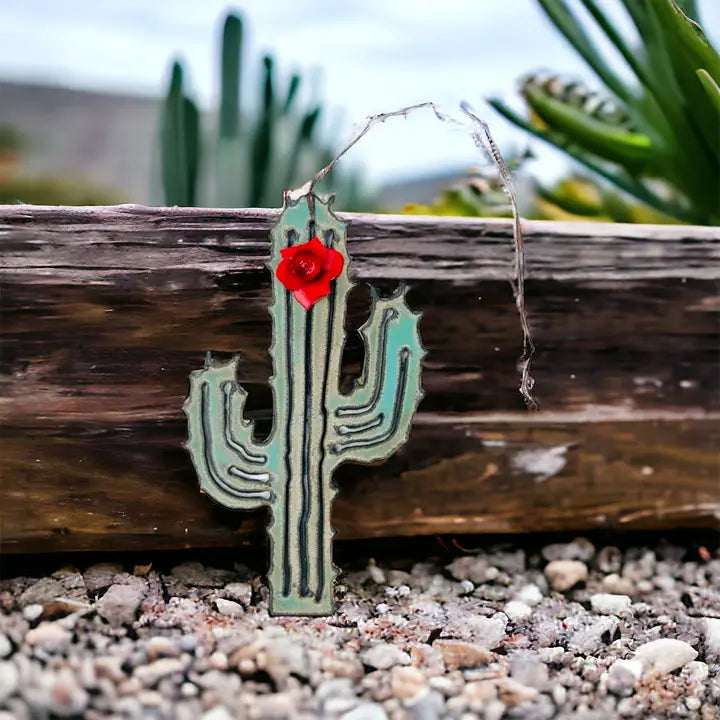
[(562, 631)]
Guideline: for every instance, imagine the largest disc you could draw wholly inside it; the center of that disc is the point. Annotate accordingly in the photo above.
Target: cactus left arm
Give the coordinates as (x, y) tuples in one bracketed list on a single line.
[(232, 469), (374, 420)]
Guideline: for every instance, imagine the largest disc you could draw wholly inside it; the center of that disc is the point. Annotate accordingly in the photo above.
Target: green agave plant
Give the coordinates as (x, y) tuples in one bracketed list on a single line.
[(255, 157), (658, 138)]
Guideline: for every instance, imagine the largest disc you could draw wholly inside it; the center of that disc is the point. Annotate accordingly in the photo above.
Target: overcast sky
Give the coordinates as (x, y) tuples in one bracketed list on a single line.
[(373, 56)]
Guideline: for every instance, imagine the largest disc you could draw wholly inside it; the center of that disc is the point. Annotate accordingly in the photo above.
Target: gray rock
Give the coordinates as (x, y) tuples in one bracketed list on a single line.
[(477, 569), (72, 583), (488, 632), (429, 705), (41, 592), (195, 573), (528, 670), (623, 675), (334, 687), (240, 592), (579, 549), (384, 656), (339, 705), (9, 680), (100, 576), (277, 706), (120, 604), (592, 635), (696, 671)]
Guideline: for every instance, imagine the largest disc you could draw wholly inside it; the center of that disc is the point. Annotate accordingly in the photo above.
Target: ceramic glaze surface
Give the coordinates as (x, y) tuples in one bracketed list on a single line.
[(315, 426)]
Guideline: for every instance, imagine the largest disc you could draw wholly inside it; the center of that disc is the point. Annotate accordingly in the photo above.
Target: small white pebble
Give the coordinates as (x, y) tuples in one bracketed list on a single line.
[(32, 612), (188, 689), (696, 671), (376, 574), (517, 610), (607, 604), (218, 661), (664, 655), (623, 675), (228, 607), (467, 586), (712, 636), (692, 703), (530, 594)]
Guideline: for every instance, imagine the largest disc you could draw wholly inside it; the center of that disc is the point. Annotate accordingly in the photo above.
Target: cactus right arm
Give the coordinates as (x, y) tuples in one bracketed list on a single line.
[(374, 420), (232, 468)]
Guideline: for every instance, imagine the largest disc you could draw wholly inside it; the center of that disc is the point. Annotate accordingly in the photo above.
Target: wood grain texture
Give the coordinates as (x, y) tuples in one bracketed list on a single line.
[(104, 313)]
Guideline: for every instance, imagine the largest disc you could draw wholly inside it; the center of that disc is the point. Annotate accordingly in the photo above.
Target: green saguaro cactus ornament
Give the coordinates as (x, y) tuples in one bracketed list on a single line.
[(315, 426)]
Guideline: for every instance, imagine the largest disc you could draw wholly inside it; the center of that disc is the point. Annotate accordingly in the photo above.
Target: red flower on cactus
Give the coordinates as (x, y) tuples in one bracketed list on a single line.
[(306, 270)]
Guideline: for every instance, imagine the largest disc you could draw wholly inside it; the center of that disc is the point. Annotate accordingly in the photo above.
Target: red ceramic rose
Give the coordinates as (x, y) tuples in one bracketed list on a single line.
[(306, 270)]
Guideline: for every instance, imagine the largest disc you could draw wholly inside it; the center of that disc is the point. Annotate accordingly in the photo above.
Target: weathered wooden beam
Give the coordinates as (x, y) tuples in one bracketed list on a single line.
[(105, 311)]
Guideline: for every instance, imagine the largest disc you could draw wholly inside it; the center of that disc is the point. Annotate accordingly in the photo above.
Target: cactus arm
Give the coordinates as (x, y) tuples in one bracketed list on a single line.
[(232, 469), (374, 420)]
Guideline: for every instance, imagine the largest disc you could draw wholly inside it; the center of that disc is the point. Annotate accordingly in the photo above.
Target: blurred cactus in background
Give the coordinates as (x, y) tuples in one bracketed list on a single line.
[(657, 139), (256, 155)]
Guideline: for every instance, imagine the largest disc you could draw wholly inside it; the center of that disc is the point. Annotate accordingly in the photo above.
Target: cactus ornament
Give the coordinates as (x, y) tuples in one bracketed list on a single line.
[(315, 426)]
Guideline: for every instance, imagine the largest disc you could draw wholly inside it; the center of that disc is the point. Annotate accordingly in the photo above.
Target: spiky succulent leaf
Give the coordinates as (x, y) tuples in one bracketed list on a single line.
[(608, 141)]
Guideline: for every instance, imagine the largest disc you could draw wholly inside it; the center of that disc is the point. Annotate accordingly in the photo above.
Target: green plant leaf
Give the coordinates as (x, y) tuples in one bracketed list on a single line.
[(688, 51), (191, 120), (559, 14), (230, 76), (630, 185), (609, 142), (173, 149), (263, 144), (293, 87), (713, 92)]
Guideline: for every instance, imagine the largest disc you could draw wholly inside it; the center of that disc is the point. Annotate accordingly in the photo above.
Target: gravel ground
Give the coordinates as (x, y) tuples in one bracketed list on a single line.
[(561, 631)]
